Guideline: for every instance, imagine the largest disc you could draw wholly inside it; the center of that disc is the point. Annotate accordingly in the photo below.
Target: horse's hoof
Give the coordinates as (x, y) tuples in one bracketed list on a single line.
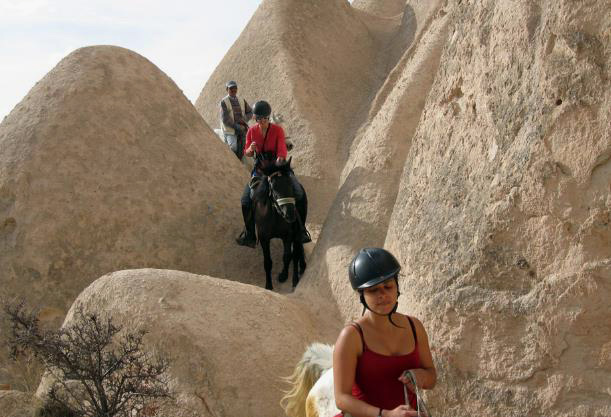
[(269, 287), (302, 268), (282, 277)]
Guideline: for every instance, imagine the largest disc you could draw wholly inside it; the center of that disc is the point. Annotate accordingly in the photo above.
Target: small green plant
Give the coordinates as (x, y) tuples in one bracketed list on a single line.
[(98, 369)]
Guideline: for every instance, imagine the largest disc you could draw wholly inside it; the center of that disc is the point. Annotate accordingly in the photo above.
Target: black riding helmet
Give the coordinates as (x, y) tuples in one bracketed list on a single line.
[(262, 109), (370, 267)]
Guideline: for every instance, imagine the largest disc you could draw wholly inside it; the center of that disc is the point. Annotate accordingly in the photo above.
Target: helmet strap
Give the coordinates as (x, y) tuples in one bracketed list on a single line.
[(365, 306)]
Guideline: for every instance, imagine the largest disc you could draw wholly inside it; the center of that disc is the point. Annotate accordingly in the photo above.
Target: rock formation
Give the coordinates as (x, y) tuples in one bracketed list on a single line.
[(105, 165), (361, 212), (501, 218), (224, 338), (502, 215)]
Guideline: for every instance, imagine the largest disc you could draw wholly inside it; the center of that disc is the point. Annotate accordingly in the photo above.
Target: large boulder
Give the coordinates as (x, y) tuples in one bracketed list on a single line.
[(502, 215), (105, 165), (229, 343)]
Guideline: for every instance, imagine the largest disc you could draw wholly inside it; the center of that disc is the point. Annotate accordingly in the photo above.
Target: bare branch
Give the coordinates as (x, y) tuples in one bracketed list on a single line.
[(96, 372)]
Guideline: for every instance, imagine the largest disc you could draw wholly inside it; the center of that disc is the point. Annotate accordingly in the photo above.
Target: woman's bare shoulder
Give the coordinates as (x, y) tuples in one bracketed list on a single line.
[(416, 321), (420, 330), (349, 336), (350, 330)]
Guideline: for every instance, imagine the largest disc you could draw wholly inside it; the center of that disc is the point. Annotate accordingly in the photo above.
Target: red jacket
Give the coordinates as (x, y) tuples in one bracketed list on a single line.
[(275, 141)]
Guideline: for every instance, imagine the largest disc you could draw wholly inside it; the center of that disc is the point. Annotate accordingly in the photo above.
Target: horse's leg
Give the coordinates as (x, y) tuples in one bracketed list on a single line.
[(286, 260), (267, 264), (297, 257), (302, 262)]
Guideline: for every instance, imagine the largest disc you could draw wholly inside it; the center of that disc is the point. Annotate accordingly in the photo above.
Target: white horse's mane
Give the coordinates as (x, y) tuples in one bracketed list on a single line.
[(316, 359), (319, 355)]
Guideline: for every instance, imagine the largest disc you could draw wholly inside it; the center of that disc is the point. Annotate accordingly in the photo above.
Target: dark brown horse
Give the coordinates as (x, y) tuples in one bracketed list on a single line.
[(277, 217)]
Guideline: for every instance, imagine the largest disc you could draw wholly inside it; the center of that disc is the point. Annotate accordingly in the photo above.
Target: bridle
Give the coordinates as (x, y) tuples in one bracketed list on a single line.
[(421, 407), (277, 203)]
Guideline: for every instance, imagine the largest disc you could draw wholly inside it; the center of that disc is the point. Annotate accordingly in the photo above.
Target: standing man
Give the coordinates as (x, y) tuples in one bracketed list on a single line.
[(235, 114)]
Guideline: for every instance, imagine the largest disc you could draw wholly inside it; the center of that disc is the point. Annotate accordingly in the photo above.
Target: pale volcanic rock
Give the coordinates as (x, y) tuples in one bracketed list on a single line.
[(362, 209), (387, 8), (502, 215), (17, 404), (229, 343), (105, 165)]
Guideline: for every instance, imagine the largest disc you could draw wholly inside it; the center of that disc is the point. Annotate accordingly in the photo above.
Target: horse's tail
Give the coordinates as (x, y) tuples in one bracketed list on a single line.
[(316, 359)]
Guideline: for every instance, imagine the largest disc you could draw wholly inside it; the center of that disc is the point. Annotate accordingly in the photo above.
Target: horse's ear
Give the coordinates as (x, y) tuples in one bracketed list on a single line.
[(289, 161)]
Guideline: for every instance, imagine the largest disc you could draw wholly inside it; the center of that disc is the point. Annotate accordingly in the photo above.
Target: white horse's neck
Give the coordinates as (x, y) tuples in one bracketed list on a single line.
[(321, 399)]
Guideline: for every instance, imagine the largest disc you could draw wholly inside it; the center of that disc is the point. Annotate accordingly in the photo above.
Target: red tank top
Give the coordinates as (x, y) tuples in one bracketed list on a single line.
[(376, 380)]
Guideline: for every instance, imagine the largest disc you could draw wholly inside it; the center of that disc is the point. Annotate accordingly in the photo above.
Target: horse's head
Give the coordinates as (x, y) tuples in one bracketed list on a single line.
[(281, 191)]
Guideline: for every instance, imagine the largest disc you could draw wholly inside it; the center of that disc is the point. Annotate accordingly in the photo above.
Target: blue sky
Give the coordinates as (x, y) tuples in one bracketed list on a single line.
[(185, 38)]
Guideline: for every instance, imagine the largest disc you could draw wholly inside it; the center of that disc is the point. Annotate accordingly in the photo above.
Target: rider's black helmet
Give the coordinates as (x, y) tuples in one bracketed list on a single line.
[(372, 266), (262, 109)]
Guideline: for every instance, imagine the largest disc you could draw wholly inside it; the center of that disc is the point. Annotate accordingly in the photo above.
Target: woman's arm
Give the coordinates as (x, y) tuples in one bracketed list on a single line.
[(249, 150), (345, 356), (426, 377)]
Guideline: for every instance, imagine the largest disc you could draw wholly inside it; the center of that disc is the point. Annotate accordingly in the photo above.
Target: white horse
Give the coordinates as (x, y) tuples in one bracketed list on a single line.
[(312, 393)]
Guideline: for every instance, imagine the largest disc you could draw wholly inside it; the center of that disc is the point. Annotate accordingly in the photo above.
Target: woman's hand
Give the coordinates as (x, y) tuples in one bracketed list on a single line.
[(280, 160), (420, 375), (401, 411), (251, 149)]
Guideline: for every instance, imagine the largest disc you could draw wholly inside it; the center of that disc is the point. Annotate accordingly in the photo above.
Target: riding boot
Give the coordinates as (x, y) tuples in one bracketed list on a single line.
[(240, 152), (248, 237), (302, 209)]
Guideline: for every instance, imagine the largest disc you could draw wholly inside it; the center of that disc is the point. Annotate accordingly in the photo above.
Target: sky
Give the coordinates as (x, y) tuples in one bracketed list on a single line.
[(185, 38)]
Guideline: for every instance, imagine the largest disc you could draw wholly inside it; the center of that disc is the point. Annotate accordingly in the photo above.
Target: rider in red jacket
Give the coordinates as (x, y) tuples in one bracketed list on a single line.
[(268, 141)]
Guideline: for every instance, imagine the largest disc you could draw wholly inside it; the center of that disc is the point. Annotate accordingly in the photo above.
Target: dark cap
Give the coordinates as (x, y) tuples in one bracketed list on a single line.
[(372, 266), (231, 84), (262, 109)]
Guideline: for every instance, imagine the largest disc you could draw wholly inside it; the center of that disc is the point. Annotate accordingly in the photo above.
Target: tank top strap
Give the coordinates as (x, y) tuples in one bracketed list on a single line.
[(360, 330), (411, 323)]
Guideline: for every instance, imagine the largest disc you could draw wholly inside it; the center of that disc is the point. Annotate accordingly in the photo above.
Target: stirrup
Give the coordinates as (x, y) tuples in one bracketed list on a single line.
[(254, 181), (243, 240)]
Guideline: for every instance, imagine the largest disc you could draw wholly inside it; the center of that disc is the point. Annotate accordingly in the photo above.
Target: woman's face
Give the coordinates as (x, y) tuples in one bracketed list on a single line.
[(382, 298), (263, 122)]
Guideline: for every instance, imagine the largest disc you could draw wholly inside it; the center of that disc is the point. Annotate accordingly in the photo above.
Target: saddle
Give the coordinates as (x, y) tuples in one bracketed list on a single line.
[(253, 184)]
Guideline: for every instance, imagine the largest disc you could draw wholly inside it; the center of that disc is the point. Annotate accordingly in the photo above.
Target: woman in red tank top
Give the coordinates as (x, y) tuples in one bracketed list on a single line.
[(371, 354)]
